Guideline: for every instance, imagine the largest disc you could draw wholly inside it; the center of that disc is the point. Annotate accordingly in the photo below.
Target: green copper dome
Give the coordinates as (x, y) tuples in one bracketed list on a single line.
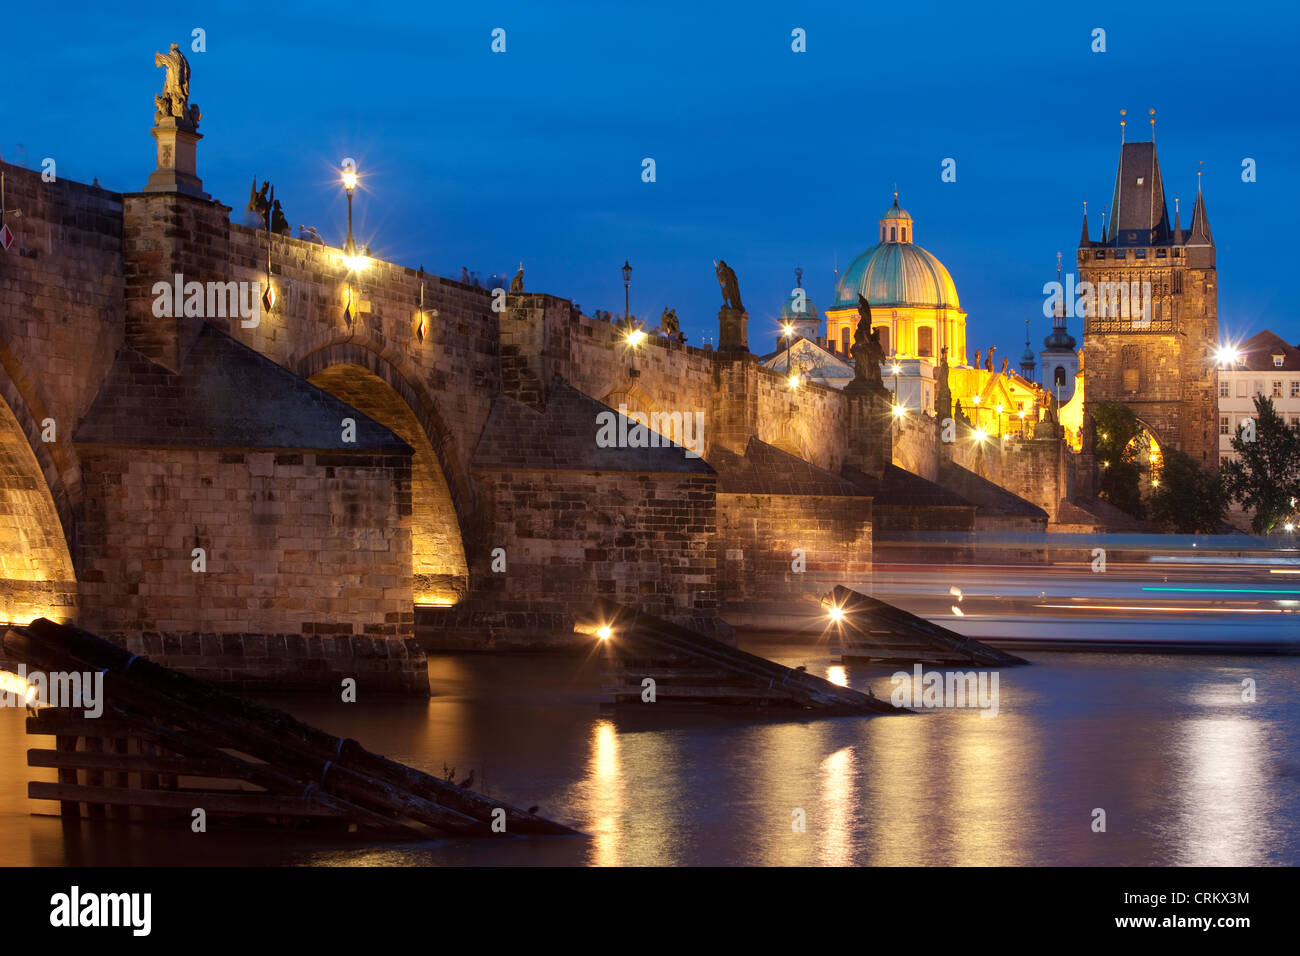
[(896, 212), (897, 274), (790, 316)]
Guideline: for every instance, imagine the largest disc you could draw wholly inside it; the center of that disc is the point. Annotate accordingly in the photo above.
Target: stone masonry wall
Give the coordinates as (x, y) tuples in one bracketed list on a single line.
[(758, 534), (61, 314), (308, 563)]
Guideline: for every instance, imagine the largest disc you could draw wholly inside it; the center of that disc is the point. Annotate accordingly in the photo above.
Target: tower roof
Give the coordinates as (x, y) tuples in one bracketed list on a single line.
[(1138, 215), (1200, 235)]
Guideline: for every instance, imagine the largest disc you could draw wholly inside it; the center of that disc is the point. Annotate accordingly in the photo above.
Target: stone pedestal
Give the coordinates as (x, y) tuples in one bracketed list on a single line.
[(870, 447), (732, 330), (176, 172)]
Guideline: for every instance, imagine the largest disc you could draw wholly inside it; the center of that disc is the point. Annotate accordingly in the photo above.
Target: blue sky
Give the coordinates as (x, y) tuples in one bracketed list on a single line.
[(765, 157)]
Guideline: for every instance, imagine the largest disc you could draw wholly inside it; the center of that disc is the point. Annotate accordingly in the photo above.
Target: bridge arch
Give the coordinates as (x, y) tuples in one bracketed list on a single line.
[(442, 510), (37, 578)]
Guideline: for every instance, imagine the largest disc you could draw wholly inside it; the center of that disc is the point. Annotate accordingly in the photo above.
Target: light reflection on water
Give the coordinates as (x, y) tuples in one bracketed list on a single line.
[(1186, 771)]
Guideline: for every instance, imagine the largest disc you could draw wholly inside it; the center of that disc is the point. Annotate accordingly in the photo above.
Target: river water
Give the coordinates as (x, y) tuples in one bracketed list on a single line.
[(1187, 772)]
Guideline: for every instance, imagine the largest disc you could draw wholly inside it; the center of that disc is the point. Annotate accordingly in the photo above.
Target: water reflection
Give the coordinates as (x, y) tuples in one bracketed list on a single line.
[(1187, 772)]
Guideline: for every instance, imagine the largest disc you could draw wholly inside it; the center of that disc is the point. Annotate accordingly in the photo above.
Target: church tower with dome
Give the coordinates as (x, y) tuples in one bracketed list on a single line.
[(913, 298)]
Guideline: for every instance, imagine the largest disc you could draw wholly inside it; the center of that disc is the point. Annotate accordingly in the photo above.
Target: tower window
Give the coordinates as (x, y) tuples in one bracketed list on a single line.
[(1100, 254), (844, 339), (893, 233), (1162, 253), (882, 233), (925, 341), (1058, 377), (905, 234), (1140, 253)]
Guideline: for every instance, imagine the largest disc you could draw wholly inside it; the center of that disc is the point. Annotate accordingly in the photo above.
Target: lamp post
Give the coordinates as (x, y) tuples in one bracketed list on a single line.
[(895, 369), (627, 283), (787, 331), (976, 400), (350, 185)]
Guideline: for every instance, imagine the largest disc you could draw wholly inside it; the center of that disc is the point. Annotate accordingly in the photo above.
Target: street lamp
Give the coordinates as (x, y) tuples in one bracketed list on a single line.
[(975, 399), (627, 282), (895, 369), (350, 185), (787, 331)]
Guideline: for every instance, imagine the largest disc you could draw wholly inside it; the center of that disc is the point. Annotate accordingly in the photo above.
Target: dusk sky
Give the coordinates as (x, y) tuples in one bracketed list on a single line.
[(768, 158)]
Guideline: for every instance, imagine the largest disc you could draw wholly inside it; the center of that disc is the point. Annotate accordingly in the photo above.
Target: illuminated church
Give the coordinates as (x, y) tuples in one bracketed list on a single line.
[(915, 307)]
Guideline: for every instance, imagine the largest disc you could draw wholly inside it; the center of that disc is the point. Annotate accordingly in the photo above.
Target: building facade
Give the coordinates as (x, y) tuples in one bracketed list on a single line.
[(1262, 365)]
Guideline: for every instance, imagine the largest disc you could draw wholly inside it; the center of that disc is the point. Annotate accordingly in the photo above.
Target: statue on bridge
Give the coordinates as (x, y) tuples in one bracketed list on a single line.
[(988, 359), (517, 283), (174, 100), (730, 287), (868, 353), (942, 393)]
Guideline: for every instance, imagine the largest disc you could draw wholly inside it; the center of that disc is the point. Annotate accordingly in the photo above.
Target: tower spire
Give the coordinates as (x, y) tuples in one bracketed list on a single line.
[(1083, 237), (1058, 320), (1200, 221), (1178, 224)]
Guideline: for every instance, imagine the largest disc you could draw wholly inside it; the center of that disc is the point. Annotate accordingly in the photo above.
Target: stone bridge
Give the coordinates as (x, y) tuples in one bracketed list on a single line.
[(290, 497)]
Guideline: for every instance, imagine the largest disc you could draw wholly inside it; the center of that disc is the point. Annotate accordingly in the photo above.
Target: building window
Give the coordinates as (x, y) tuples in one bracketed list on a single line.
[(1295, 388), (844, 339), (884, 338), (893, 233), (1140, 253), (1277, 360), (882, 233), (1099, 254), (1225, 389), (905, 234), (1121, 253), (1277, 389), (1259, 389), (1162, 253), (1225, 425), (924, 341), (1129, 359)]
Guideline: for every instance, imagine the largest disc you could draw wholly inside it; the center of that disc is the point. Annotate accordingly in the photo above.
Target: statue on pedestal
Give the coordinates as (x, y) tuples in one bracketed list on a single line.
[(988, 360), (517, 283), (868, 353), (942, 393), (174, 101), (730, 287)]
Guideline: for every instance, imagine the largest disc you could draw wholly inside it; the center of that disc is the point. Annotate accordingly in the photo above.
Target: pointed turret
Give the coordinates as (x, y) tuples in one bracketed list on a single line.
[(1200, 235), (1084, 240), (1178, 225)]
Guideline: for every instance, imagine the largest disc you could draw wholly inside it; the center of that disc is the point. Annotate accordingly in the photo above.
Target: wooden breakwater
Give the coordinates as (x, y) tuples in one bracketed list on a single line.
[(689, 669), (871, 630), (167, 744)]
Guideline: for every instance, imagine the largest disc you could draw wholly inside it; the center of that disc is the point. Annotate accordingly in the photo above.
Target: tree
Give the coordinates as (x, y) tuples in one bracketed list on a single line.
[(1265, 478), (1187, 499), (1120, 458)]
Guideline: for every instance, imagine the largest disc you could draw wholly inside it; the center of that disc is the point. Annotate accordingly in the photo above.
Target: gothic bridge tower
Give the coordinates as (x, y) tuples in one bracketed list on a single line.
[(1150, 335)]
